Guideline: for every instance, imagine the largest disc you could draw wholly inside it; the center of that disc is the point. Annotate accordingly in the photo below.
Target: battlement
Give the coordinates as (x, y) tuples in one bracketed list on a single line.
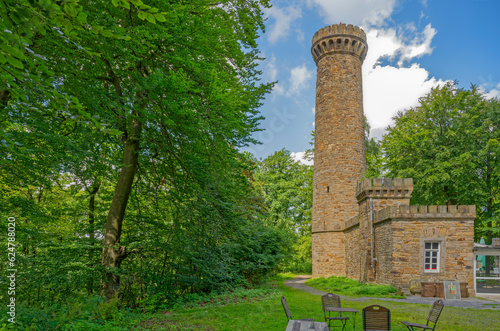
[(339, 29), (384, 188), (425, 212), (339, 38)]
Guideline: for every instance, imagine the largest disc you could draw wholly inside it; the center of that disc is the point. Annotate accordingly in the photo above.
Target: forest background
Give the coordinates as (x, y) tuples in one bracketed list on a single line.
[(121, 128)]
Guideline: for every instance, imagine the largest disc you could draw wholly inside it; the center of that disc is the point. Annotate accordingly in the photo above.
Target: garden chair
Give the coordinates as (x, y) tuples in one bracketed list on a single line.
[(331, 302), (376, 318), (433, 317), (287, 311)]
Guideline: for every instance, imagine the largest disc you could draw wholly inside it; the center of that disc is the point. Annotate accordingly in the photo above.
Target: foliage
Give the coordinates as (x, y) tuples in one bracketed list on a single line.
[(450, 146), (139, 153), (286, 186), (95, 313), (260, 309), (346, 286)]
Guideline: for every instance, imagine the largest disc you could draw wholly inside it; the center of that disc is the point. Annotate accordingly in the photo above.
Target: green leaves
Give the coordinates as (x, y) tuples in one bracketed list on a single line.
[(109, 77), (147, 16), (15, 62), (151, 15), (448, 145), (286, 186)]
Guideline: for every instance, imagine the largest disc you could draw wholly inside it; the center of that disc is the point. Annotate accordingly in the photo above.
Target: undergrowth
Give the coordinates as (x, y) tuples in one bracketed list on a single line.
[(95, 313), (346, 286)]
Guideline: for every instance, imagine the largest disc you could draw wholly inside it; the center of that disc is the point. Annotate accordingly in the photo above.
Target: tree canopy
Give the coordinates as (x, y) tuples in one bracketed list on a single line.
[(450, 145), (131, 144), (286, 186)]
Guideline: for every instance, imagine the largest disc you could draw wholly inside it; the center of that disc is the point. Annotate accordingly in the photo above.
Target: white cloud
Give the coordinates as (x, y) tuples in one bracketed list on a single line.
[(357, 12), (278, 89), (393, 44), (420, 45), (271, 69), (489, 87), (300, 35), (491, 93), (283, 18), (299, 79), (271, 74), (299, 157), (389, 89)]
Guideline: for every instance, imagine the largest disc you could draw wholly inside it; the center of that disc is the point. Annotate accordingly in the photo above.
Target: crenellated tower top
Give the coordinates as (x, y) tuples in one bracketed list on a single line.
[(339, 38), (384, 188)]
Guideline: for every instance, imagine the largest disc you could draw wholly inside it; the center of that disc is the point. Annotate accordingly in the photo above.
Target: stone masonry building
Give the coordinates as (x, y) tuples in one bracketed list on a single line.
[(366, 229)]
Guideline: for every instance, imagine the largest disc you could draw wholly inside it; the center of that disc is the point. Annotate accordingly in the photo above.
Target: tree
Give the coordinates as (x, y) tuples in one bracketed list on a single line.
[(449, 144), (174, 100), (286, 186)]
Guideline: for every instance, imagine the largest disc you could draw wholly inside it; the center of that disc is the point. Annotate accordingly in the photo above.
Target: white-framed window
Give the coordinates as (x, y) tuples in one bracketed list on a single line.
[(432, 253)]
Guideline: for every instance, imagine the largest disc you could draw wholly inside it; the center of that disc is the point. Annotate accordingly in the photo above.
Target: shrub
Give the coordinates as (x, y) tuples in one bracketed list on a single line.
[(343, 285)]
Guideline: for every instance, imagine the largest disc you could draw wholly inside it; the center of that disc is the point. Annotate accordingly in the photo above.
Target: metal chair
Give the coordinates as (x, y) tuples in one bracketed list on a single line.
[(376, 318), (287, 311), (330, 303), (433, 317)]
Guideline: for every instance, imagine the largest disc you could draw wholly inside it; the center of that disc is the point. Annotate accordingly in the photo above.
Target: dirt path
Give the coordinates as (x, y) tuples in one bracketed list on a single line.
[(491, 302)]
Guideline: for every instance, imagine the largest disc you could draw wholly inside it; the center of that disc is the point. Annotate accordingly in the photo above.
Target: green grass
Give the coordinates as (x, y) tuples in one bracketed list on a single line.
[(266, 313), (254, 310), (346, 286)]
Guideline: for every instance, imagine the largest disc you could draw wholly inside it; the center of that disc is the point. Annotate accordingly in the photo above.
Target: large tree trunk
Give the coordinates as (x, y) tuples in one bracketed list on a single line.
[(112, 254)]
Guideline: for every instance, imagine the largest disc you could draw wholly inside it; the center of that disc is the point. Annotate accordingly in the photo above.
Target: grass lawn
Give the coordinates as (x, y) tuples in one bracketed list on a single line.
[(266, 313)]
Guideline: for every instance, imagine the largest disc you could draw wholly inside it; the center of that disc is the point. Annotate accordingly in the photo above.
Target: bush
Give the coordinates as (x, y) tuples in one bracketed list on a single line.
[(343, 285)]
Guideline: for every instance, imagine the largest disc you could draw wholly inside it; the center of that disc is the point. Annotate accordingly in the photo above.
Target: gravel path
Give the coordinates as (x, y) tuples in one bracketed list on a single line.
[(491, 302)]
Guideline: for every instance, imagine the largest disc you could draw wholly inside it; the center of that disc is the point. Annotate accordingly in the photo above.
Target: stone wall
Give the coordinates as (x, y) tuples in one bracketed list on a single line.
[(328, 254), (399, 234), (339, 158), (354, 251), (382, 192), (384, 252), (409, 228)]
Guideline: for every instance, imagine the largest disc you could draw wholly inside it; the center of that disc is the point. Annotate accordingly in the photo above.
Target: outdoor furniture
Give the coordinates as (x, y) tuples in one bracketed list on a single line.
[(433, 317), (301, 325), (331, 304), (287, 311), (376, 318)]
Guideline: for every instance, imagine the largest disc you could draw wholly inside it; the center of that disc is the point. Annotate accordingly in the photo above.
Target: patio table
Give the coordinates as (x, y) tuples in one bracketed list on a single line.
[(296, 325), (344, 310)]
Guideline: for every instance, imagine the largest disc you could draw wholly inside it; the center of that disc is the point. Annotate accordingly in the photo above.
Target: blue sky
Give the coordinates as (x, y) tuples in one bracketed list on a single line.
[(412, 47)]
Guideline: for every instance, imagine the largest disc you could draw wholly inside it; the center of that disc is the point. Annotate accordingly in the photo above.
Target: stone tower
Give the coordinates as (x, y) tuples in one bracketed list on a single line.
[(339, 160)]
